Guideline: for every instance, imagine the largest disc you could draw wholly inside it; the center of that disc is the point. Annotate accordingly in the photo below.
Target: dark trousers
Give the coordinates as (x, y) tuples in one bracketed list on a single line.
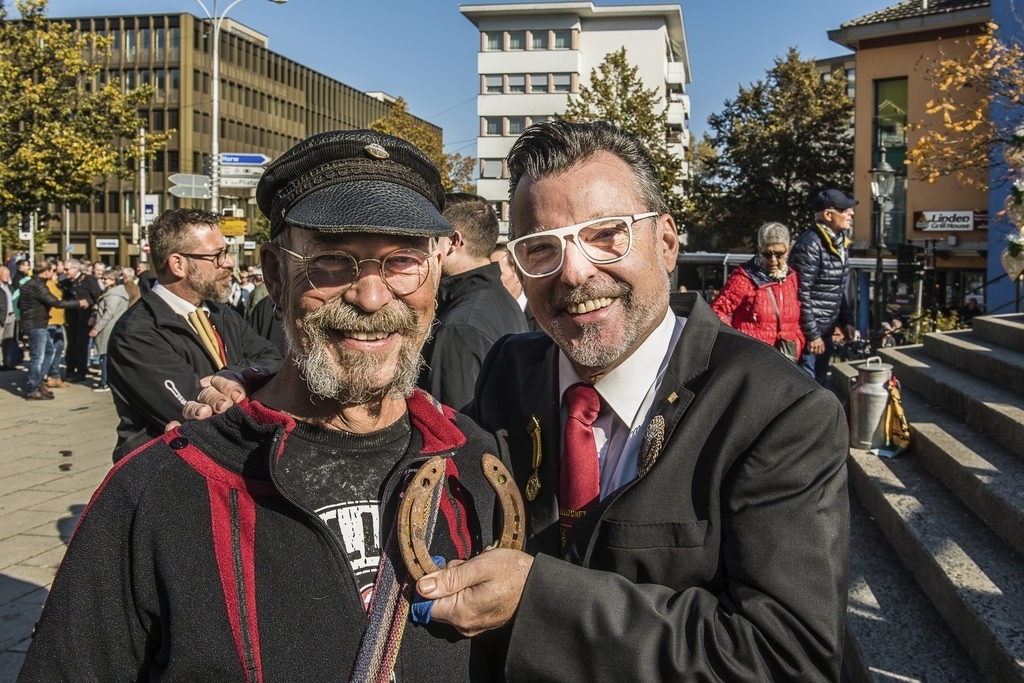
[(817, 366), (57, 335), (76, 354)]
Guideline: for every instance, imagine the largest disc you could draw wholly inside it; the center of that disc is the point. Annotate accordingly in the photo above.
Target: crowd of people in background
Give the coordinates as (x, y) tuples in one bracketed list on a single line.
[(57, 316)]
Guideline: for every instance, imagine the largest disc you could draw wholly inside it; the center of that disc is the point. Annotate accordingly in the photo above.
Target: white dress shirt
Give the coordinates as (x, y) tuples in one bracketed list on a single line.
[(177, 304), (627, 396)]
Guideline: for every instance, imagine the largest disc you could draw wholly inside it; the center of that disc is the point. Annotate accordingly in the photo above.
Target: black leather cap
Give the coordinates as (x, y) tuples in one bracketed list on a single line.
[(354, 181)]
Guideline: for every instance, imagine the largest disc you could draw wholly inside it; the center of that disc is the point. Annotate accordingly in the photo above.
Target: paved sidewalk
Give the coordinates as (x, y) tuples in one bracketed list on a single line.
[(53, 455)]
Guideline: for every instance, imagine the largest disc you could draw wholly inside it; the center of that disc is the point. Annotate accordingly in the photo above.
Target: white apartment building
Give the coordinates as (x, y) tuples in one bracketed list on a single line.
[(533, 55)]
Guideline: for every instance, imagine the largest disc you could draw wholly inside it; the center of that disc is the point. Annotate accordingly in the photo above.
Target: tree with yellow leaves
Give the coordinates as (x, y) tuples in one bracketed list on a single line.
[(959, 137), (59, 131), (456, 170)]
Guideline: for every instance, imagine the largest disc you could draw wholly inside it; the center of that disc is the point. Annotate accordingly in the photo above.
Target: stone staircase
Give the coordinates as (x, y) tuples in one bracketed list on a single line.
[(937, 534)]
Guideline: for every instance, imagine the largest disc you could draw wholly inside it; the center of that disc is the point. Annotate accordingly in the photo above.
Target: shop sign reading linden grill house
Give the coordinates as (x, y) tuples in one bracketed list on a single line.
[(944, 220)]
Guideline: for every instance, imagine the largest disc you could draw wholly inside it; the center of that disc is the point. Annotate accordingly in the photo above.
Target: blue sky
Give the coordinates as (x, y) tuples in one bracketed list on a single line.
[(425, 50)]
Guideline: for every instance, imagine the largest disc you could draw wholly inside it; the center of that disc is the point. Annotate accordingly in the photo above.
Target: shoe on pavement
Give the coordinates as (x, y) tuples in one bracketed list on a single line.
[(38, 395), (45, 390), (102, 390), (56, 383)]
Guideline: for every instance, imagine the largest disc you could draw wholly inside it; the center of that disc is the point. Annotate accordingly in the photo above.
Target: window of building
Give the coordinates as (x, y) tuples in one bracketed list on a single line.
[(890, 132), (538, 82), (517, 40), (197, 79), (492, 41), (492, 84), (516, 125), (491, 168), (173, 161), (158, 162), (158, 119), (562, 82), (130, 80), (172, 119), (539, 40), (144, 77), (517, 83), (129, 205), (851, 83), (492, 125), (174, 76), (113, 202), (562, 40), (129, 45)]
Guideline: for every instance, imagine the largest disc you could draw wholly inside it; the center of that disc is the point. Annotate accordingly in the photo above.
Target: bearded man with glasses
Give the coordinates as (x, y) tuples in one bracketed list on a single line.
[(266, 543), (685, 484), (180, 332)]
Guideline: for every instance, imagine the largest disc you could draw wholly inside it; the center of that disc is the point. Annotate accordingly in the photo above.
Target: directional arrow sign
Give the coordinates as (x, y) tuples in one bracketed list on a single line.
[(189, 180), (241, 171), (244, 159), (239, 182), (189, 191)]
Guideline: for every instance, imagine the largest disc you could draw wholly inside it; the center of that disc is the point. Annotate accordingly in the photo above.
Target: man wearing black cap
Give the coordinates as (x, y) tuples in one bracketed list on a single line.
[(820, 258), (259, 544)]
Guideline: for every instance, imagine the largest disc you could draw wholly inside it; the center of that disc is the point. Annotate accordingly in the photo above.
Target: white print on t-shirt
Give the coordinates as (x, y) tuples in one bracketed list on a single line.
[(358, 524)]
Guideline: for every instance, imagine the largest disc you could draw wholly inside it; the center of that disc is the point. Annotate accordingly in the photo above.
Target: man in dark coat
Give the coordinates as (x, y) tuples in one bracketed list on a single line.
[(180, 331), (259, 544), (686, 484), (474, 309), (820, 258), (78, 285)]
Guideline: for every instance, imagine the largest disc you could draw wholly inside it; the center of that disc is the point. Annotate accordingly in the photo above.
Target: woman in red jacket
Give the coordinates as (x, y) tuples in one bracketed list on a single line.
[(746, 301)]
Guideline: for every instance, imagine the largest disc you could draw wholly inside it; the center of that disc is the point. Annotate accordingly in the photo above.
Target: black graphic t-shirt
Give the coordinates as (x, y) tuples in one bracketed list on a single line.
[(339, 476)]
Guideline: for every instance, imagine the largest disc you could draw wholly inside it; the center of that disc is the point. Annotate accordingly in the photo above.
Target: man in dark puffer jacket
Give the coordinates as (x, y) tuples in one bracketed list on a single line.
[(821, 261)]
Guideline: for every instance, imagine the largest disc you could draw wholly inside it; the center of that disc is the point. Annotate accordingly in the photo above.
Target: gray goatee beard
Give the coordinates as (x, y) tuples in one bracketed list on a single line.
[(334, 372), (586, 348)]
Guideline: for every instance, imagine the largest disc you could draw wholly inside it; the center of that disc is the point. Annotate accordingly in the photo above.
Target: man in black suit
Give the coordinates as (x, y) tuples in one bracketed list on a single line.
[(686, 485)]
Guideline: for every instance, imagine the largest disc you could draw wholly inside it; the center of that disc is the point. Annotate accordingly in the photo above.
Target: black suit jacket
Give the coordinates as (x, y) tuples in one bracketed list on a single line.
[(155, 360), (727, 561)]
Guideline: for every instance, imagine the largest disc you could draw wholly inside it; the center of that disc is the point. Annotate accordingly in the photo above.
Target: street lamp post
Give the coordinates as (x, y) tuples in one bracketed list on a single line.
[(216, 21), (883, 181)]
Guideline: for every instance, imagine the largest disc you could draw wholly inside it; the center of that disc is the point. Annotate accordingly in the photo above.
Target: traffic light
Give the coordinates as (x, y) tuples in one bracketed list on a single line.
[(910, 262)]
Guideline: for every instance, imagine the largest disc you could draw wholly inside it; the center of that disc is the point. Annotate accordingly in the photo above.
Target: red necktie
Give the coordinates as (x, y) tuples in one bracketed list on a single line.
[(579, 479)]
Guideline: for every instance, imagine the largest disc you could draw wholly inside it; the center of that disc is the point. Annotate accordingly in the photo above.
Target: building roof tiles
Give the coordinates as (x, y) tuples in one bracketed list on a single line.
[(910, 9)]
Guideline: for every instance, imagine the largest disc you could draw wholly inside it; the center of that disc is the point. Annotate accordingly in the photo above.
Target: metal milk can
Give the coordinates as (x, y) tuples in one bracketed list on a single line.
[(868, 401)]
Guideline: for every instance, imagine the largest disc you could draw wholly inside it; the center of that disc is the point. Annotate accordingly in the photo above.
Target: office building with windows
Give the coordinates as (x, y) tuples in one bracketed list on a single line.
[(267, 104), (534, 56)]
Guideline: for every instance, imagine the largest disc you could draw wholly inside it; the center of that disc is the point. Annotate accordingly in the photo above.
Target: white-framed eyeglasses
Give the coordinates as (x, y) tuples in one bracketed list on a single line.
[(601, 241)]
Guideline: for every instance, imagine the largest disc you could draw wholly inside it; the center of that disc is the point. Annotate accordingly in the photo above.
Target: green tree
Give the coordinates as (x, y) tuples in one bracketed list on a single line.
[(59, 131), (704, 217), (779, 142), (617, 95), (456, 170)]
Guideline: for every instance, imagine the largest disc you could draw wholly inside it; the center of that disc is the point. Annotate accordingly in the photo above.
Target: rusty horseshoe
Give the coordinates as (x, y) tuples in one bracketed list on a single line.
[(413, 513)]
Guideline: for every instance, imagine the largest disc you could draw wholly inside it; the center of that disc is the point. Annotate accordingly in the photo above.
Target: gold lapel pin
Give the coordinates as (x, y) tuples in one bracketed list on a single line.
[(650, 449), (533, 483)]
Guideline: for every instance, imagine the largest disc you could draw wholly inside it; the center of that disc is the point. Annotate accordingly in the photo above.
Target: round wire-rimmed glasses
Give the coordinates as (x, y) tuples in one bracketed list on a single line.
[(333, 272), (601, 241)]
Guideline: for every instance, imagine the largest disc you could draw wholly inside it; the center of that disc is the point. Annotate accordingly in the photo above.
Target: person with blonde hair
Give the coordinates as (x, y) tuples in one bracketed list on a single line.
[(760, 297)]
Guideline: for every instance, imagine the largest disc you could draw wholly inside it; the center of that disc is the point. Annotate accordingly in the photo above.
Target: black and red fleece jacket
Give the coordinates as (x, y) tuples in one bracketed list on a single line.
[(190, 564)]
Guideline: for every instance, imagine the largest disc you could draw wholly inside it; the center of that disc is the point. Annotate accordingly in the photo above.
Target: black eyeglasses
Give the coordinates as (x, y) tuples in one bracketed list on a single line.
[(218, 259), (768, 255), (333, 272)]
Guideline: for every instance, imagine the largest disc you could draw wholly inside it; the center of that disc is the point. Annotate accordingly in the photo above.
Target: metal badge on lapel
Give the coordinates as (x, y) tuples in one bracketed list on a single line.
[(376, 151), (533, 483), (650, 449)]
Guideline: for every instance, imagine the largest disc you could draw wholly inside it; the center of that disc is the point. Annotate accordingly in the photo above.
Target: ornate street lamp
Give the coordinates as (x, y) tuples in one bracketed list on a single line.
[(883, 181), (216, 21)]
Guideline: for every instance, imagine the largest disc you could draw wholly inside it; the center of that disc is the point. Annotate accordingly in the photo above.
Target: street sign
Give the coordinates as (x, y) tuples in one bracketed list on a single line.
[(145, 247), (249, 245), (68, 248), (239, 182), (229, 159), (190, 180), (241, 171), (107, 243), (234, 227), (188, 191), (150, 208)]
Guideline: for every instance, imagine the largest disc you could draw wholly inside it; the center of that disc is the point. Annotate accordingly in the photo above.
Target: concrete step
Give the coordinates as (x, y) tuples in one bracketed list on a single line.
[(997, 412), (984, 475), (974, 580), (966, 350), (893, 632), (1005, 330)]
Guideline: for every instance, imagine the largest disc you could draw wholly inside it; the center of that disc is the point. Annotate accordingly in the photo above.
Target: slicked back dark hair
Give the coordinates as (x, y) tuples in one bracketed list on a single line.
[(472, 216), (553, 147), (172, 233)]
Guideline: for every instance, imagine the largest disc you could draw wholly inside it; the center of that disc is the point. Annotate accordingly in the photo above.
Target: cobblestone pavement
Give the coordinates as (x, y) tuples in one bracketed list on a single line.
[(53, 455)]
